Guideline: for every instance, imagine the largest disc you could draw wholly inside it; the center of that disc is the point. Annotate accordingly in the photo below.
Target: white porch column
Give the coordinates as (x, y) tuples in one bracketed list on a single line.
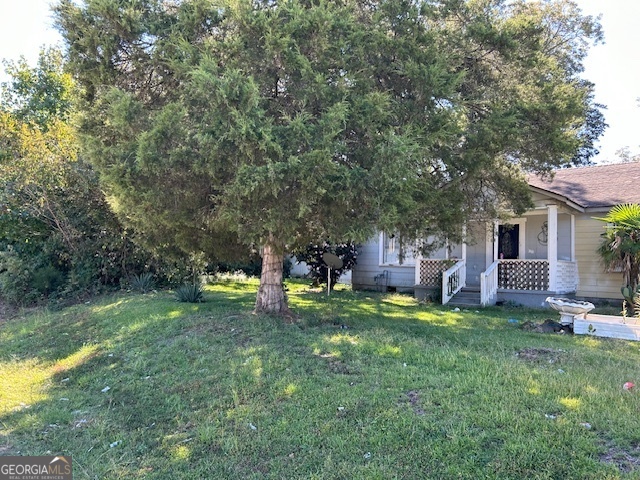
[(417, 268), (464, 243), (552, 245)]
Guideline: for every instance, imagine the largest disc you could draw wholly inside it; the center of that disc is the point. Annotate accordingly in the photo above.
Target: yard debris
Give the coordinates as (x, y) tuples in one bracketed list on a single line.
[(550, 417), (548, 326), (586, 425), (628, 385), (106, 389), (115, 444), (367, 455), (79, 423), (455, 309), (253, 427), (561, 370), (21, 407), (513, 320)]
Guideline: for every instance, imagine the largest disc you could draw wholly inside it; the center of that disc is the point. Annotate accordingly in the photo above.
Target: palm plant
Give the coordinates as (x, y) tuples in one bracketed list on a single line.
[(620, 247)]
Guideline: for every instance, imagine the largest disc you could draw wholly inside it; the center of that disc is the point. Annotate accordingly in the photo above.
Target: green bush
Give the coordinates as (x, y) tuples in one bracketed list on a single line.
[(142, 283), (190, 293), (47, 280), (15, 277)]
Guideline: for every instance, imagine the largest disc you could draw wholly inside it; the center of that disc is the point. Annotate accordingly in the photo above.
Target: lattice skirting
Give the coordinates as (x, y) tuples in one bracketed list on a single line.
[(523, 275), (431, 270)]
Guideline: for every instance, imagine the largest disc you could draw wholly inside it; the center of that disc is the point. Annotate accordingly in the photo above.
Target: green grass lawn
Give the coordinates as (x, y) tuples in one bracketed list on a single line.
[(363, 386)]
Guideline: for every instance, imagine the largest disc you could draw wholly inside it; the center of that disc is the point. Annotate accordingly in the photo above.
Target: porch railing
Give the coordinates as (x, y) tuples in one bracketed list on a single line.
[(453, 279), (523, 274), (489, 285)]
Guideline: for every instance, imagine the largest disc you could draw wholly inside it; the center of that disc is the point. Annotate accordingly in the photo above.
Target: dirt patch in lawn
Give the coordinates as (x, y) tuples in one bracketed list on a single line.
[(412, 398), (540, 355), (626, 460), (336, 365)]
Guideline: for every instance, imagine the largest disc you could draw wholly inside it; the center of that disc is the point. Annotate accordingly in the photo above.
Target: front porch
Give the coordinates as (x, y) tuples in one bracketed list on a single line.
[(525, 282), (498, 270)]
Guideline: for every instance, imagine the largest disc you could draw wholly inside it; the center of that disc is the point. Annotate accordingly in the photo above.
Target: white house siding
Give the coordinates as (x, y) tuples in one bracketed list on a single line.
[(298, 269), (301, 269), (594, 281), (364, 274)]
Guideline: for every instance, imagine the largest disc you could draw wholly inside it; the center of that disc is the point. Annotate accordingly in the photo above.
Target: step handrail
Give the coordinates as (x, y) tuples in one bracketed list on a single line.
[(453, 280), (489, 285)]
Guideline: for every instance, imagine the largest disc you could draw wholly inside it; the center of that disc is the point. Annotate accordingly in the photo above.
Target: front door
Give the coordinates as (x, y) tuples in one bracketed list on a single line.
[(508, 241)]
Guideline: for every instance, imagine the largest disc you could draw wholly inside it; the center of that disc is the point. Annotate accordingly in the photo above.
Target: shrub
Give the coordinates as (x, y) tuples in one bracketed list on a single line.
[(142, 283), (190, 293), (15, 277), (47, 280)]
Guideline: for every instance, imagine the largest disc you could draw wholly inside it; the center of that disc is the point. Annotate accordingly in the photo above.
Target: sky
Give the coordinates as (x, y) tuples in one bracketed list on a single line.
[(26, 25)]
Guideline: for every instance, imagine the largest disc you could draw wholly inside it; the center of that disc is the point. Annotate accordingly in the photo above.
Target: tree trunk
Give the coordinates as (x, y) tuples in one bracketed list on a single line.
[(271, 297)]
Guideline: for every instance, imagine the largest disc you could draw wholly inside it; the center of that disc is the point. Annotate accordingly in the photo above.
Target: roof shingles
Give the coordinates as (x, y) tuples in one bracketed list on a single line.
[(593, 187)]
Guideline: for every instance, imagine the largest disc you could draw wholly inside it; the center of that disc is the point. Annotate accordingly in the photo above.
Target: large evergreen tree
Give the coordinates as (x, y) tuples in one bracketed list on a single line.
[(278, 123)]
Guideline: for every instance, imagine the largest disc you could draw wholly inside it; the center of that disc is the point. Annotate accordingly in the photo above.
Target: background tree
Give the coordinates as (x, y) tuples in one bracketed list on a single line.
[(277, 123), (57, 233), (42, 95)]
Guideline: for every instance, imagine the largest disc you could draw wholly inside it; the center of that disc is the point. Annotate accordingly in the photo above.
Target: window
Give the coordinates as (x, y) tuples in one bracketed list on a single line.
[(394, 250)]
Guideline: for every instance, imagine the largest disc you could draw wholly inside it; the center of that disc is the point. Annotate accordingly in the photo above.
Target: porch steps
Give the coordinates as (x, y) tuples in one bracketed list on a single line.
[(467, 297)]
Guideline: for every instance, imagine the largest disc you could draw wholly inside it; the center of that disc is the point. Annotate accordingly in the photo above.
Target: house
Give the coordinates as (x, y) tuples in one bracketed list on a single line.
[(548, 251), (301, 270)]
